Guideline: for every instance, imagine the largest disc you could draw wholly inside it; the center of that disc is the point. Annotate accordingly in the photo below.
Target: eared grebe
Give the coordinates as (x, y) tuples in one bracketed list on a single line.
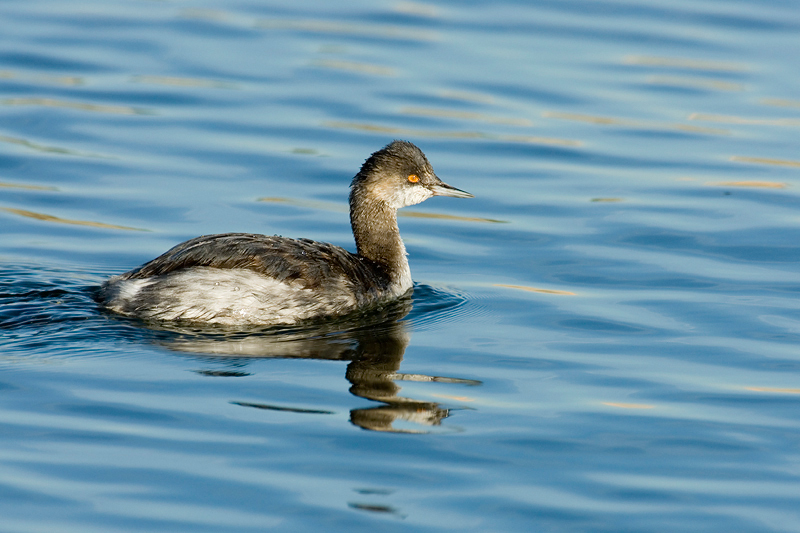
[(247, 279)]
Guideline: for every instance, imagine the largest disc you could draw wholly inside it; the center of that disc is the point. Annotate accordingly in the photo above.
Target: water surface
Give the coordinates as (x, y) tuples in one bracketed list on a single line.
[(604, 339)]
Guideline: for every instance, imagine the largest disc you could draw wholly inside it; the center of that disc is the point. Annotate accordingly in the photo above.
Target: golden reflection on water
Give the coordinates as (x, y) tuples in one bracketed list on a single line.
[(530, 139), (353, 66), (26, 186), (332, 49), (481, 98), (442, 216), (464, 115), (755, 184), (49, 149), (612, 121), (700, 129), (730, 119), (50, 218), (780, 102), (535, 289), (308, 204), (629, 405), (451, 134), (774, 389), (679, 62), (81, 106), (610, 200), (455, 398), (43, 78), (592, 119), (366, 30), (183, 82), (765, 161), (697, 83)]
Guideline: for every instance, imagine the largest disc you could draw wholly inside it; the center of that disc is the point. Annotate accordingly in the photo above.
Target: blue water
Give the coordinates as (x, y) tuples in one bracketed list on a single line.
[(604, 339)]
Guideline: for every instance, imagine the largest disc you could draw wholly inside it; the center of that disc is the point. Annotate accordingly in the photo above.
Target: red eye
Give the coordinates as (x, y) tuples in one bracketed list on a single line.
[(413, 178)]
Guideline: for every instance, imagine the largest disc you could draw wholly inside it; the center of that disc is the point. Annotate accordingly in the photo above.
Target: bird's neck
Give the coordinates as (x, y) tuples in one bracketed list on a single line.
[(378, 239)]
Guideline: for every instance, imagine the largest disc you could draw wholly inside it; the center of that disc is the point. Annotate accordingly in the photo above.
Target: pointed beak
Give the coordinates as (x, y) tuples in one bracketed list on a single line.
[(443, 189)]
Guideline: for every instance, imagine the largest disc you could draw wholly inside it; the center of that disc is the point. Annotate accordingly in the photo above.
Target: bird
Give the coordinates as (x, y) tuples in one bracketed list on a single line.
[(246, 279)]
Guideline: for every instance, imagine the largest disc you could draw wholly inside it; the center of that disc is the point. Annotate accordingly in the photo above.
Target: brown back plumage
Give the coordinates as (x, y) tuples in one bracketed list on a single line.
[(306, 263)]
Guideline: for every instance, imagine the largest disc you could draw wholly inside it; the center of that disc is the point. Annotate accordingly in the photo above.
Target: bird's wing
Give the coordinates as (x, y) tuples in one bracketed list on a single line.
[(302, 262)]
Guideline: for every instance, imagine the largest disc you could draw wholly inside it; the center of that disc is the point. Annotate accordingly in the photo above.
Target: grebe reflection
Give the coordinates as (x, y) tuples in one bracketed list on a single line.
[(374, 349)]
